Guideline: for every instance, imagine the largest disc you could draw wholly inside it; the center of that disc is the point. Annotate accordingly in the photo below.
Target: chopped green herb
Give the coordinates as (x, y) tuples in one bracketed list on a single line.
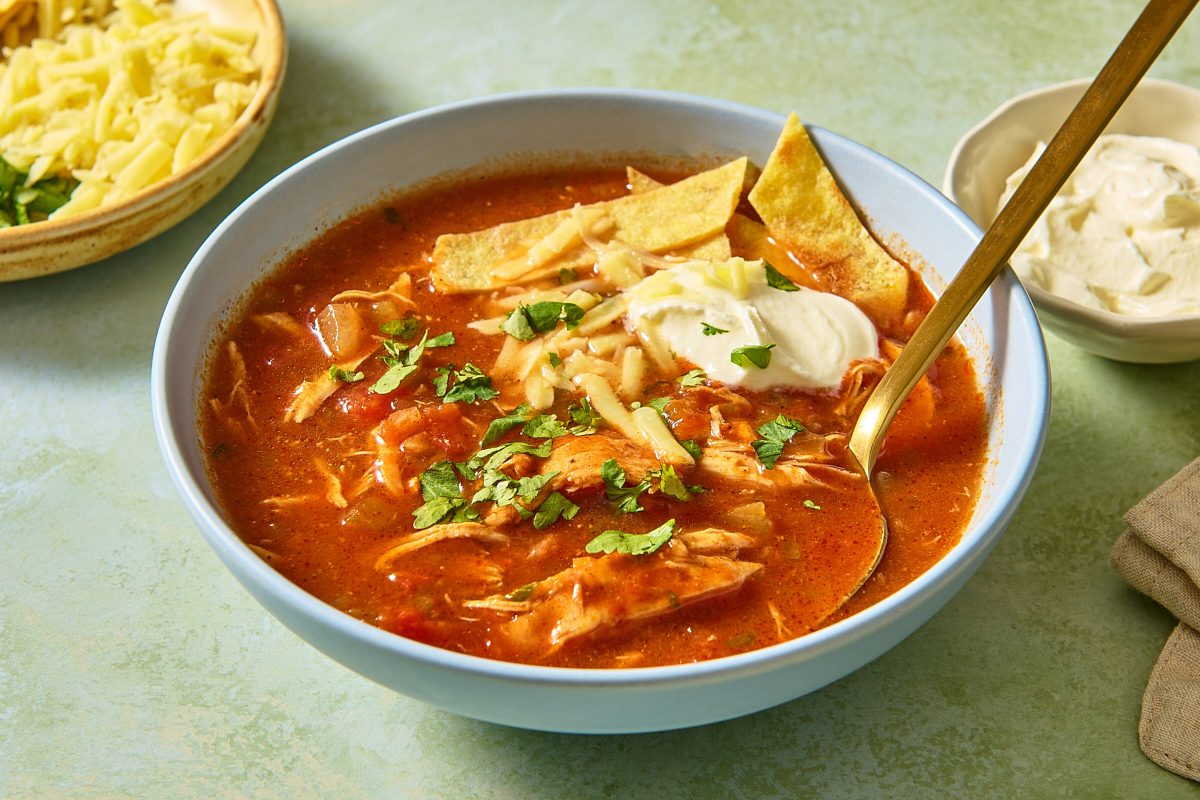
[(401, 328), (711, 330), (693, 449), (670, 484), (551, 509), (344, 376), (634, 544), (743, 641), (777, 280), (659, 404), (434, 511), (693, 377), (545, 426), (753, 355), (439, 480), (812, 505), (444, 340), (21, 204), (626, 497), (776, 434), (390, 380), (441, 379), (514, 419), (471, 386), (521, 593), (528, 321), (585, 418), (491, 458), (567, 275), (555, 359)]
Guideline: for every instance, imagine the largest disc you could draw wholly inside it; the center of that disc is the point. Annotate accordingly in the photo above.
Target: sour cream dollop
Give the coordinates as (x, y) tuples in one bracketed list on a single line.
[(1123, 234), (817, 335)]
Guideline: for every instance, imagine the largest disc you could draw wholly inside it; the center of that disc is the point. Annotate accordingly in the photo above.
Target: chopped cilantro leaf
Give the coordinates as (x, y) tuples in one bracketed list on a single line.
[(545, 426), (776, 434), (711, 330), (753, 355), (491, 458), (812, 505), (528, 321), (584, 416), (553, 507), (670, 484), (693, 377), (567, 275), (555, 359), (692, 448), (439, 480), (444, 340), (392, 378), (659, 404), (441, 379), (498, 427), (344, 376), (777, 280), (521, 593), (471, 385), (634, 544), (401, 328), (434, 511), (626, 497)]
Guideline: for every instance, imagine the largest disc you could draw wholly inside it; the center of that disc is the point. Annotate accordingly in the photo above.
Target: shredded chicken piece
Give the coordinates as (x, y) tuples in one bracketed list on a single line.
[(281, 321), (435, 534), (334, 491), (598, 593), (856, 387), (239, 397), (312, 393), (715, 541), (578, 459), (287, 500), (781, 628), (737, 463), (401, 290)]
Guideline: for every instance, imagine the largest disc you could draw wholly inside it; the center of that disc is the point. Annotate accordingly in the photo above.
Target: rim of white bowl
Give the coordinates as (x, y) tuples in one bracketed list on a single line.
[(1117, 324), (229, 546)]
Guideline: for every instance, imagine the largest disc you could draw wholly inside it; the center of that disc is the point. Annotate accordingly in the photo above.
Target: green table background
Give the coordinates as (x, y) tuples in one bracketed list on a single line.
[(133, 665)]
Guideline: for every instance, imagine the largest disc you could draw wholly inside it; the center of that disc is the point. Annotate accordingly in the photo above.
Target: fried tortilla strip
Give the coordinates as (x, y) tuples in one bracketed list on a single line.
[(801, 204), (714, 248), (659, 221), (595, 593)]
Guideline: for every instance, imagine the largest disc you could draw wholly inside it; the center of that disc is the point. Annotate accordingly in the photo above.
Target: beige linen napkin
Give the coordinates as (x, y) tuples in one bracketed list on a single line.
[(1160, 556)]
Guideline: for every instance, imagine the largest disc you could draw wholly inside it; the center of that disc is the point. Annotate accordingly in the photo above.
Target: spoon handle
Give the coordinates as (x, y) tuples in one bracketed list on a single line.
[(1141, 45)]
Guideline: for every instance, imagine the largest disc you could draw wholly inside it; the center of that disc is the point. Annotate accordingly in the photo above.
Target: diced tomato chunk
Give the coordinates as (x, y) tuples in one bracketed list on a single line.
[(363, 407), (408, 623)]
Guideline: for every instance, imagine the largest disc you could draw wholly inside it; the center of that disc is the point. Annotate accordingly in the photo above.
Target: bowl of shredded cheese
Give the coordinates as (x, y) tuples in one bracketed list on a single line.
[(119, 118)]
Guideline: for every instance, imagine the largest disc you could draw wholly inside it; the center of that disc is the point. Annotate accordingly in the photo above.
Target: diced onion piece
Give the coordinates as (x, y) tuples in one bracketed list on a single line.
[(633, 370), (343, 330), (606, 404), (656, 434)]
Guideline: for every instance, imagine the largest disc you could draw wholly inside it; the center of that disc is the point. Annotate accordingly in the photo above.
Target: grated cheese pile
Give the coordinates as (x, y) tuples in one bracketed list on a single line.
[(122, 103)]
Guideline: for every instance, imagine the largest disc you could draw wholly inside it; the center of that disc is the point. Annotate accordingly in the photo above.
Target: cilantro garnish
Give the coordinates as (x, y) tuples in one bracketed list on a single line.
[(21, 204), (777, 280), (754, 355), (528, 321), (553, 507), (776, 434), (514, 419), (471, 385), (443, 498), (634, 544), (545, 426), (344, 376), (402, 361), (401, 328), (567, 275), (586, 419), (491, 458), (626, 496), (555, 359), (711, 330), (812, 505), (693, 377), (692, 448)]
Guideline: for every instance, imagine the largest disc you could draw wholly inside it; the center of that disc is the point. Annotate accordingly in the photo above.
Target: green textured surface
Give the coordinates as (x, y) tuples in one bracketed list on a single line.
[(132, 664)]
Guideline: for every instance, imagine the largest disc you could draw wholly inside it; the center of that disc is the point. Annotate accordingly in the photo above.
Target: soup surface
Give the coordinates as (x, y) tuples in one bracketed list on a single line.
[(482, 493)]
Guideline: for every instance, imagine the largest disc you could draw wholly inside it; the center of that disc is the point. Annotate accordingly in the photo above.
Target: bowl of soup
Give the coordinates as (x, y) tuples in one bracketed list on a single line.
[(535, 407)]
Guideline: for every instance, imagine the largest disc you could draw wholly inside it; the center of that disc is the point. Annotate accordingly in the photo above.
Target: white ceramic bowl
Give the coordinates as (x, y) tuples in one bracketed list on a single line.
[(27, 251), (994, 149), (358, 171)]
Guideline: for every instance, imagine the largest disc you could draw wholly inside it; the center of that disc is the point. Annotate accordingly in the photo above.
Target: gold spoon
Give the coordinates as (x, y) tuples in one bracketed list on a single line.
[(1141, 45)]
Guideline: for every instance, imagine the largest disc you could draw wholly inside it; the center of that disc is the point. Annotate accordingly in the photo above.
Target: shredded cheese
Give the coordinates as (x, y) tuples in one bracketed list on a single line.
[(122, 102)]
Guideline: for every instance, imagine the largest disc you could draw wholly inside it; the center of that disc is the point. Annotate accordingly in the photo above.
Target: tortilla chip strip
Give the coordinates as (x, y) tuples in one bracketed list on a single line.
[(749, 237), (660, 221), (801, 204)]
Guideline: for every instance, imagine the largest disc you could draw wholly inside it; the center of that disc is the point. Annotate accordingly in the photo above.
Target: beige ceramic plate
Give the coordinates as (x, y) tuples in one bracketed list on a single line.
[(992, 150), (42, 248)]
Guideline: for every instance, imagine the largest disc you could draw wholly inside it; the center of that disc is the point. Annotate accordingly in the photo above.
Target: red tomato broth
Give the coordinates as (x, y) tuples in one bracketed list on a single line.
[(331, 552)]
